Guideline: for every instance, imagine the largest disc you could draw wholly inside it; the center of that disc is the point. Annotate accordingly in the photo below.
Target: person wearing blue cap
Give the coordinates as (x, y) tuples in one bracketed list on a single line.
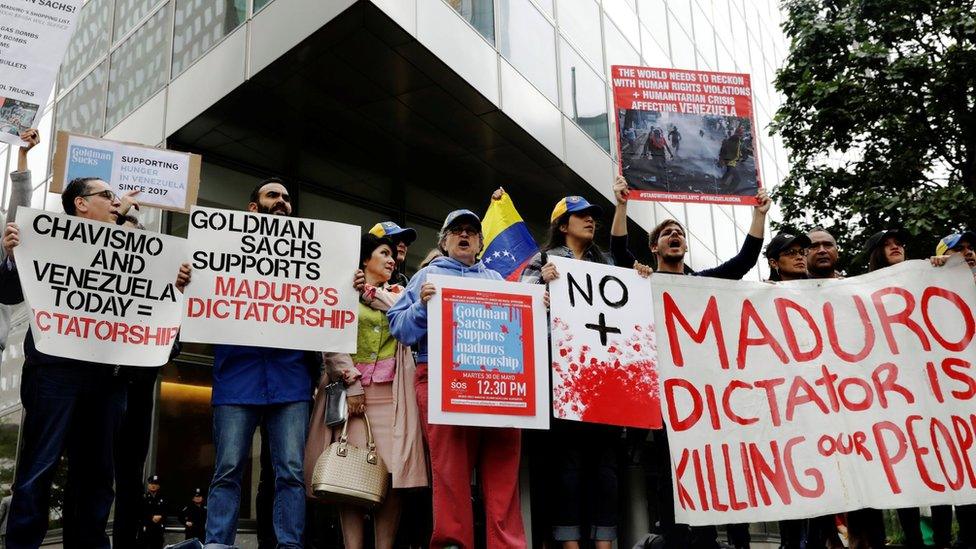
[(402, 238), (963, 243), (456, 450)]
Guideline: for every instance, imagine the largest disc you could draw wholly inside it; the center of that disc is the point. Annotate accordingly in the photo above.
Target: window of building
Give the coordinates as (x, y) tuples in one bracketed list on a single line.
[(480, 13), (528, 41), (619, 50), (584, 97), (128, 13), (140, 66), (579, 21), (202, 23), (89, 42), (83, 109), (625, 16)]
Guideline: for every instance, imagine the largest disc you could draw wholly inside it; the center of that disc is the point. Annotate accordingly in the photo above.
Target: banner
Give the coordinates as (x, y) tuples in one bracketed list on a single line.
[(166, 179), (686, 136), (813, 397), (34, 35), (487, 350), (271, 281), (603, 350), (99, 292)]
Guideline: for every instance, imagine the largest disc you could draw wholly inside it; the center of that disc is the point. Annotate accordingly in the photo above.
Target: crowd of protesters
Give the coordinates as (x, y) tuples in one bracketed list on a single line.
[(101, 415)]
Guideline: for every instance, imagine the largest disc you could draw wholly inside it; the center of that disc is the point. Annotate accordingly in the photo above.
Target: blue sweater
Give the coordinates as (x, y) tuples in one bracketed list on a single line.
[(408, 317)]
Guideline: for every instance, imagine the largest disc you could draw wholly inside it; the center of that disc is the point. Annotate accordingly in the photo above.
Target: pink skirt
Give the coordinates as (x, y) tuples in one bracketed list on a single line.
[(379, 408)]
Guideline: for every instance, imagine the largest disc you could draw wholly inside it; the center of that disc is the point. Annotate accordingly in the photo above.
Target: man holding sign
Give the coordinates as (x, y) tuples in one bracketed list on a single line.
[(68, 403)]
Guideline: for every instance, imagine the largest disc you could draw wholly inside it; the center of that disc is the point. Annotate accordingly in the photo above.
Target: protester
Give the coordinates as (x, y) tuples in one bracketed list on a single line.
[(886, 248), (786, 254), (669, 246), (455, 450), (401, 238), (822, 255), (68, 405), (154, 512), (194, 517), (20, 195), (380, 383), (255, 386), (963, 243)]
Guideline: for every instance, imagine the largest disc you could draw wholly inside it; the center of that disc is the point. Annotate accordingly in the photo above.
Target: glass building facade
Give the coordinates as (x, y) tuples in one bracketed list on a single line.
[(146, 70)]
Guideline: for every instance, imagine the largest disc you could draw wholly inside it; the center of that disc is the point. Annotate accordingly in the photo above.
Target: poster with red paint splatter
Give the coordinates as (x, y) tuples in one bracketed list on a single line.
[(603, 348), (812, 397), (487, 354)]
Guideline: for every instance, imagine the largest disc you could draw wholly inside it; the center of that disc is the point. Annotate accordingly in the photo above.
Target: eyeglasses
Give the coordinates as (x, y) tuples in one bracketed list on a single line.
[(793, 252), (106, 194), (457, 231)]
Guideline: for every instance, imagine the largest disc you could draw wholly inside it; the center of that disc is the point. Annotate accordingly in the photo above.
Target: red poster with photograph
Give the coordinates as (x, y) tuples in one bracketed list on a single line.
[(686, 136), (489, 360)]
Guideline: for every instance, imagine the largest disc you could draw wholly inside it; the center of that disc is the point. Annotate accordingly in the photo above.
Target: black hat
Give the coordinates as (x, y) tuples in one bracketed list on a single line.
[(153, 480), (783, 241), (880, 236), (198, 492)]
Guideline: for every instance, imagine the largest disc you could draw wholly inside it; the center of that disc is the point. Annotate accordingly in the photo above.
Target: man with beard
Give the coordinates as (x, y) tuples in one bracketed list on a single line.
[(669, 246), (266, 387), (822, 255)]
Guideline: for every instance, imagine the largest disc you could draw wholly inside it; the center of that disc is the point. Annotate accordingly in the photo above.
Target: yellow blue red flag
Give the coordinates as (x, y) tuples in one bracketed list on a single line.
[(508, 243)]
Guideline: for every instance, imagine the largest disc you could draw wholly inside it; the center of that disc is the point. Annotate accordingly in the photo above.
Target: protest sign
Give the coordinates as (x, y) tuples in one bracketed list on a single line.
[(33, 38), (603, 348), (813, 397), (487, 352), (165, 179), (99, 292), (271, 281), (686, 136)]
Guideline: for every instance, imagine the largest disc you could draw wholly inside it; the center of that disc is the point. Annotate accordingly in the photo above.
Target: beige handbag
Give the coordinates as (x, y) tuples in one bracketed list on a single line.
[(352, 475)]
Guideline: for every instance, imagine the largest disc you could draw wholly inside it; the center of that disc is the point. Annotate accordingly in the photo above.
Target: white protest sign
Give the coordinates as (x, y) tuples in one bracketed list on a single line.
[(603, 349), (785, 401), (99, 292), (486, 345), (271, 281), (34, 35), (165, 179)]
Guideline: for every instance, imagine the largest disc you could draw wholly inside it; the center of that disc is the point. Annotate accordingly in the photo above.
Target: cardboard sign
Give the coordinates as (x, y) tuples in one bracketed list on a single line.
[(603, 350), (487, 351), (807, 398), (686, 136), (165, 179), (271, 281), (33, 38), (99, 292)]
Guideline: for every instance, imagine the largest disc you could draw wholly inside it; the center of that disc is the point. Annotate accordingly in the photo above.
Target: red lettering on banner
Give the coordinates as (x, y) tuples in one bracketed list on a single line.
[(889, 460), (862, 313), (775, 474), (934, 382), (967, 318), (727, 406), (783, 306), (750, 316), (889, 384), (965, 437), (956, 369), (712, 484), (919, 452), (733, 501), (795, 399), (937, 426), (709, 320), (902, 317), (696, 411), (684, 498), (770, 385), (816, 475)]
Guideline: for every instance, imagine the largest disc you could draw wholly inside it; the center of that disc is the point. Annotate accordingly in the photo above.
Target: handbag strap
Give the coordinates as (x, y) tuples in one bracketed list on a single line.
[(370, 443)]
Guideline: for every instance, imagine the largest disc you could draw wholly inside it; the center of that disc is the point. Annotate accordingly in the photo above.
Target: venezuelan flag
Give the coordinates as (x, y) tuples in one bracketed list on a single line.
[(509, 245)]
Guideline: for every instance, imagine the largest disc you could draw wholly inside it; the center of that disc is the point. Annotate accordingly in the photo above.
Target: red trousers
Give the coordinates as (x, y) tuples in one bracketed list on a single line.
[(454, 452)]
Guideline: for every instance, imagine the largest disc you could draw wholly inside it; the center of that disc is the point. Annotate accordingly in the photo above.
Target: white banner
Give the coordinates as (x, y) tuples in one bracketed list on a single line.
[(99, 292), (486, 345), (603, 349), (34, 35), (165, 179), (271, 281), (814, 397)]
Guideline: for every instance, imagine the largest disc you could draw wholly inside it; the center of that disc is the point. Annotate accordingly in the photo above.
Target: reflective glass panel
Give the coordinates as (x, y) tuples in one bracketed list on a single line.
[(139, 66), (619, 50), (258, 4), (83, 109), (624, 15), (584, 97), (89, 42), (528, 41), (202, 23), (128, 13), (480, 13), (579, 20)]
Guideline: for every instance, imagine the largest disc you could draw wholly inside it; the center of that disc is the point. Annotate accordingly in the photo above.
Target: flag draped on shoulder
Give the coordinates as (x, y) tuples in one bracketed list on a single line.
[(509, 245)]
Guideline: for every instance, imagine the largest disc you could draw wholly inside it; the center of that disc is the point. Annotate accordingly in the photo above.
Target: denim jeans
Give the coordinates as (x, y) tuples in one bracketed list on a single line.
[(73, 407), (234, 426)]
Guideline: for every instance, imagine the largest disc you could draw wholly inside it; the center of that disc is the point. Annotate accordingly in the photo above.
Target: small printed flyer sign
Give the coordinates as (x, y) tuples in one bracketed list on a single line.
[(487, 351)]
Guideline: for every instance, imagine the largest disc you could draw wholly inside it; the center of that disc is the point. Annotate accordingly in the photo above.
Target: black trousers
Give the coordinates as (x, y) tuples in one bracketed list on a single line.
[(131, 448), (677, 536)]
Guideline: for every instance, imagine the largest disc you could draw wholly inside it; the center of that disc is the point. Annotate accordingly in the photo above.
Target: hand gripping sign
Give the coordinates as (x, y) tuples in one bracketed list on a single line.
[(487, 351), (271, 281), (818, 396), (603, 348), (99, 292)]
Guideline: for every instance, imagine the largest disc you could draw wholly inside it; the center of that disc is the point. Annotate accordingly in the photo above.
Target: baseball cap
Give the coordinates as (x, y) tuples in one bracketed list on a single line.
[(953, 240), (573, 204), (458, 216), (394, 232), (783, 241), (880, 236), (197, 492), (153, 480)]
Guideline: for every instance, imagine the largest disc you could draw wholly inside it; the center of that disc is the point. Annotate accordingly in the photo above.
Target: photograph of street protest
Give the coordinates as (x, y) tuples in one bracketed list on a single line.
[(16, 116)]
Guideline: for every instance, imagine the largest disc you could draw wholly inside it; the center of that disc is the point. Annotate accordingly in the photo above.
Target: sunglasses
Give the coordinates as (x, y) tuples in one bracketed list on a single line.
[(106, 194)]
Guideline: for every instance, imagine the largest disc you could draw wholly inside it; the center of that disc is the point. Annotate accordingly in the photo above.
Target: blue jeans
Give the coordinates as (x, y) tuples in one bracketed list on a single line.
[(234, 426), (73, 407)]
